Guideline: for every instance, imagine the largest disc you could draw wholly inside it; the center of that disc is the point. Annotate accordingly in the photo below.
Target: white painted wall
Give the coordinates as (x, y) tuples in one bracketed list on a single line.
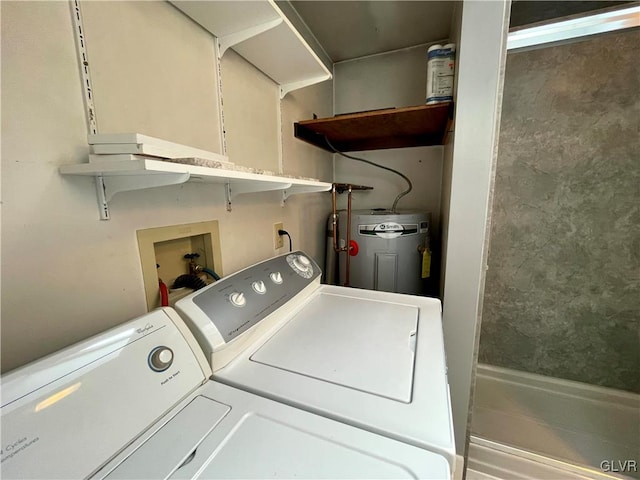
[(67, 275), (482, 52)]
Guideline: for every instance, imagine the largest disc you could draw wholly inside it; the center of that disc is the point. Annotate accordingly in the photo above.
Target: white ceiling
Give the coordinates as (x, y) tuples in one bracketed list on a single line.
[(352, 29)]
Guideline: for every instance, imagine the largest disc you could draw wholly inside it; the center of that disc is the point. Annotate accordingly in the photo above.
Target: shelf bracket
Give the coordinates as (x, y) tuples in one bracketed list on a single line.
[(242, 188), (248, 188), (107, 187), (297, 189), (290, 87), (227, 195), (232, 39), (103, 204)]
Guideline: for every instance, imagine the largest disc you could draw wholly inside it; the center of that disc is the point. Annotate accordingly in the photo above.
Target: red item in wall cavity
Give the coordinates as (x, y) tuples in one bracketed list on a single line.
[(164, 294)]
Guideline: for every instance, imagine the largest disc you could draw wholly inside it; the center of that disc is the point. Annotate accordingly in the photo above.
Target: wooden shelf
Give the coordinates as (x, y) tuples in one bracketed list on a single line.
[(113, 176), (423, 125)]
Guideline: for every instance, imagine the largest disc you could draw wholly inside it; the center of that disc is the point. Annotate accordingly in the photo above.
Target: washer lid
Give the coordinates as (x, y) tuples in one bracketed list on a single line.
[(425, 421), (372, 352)]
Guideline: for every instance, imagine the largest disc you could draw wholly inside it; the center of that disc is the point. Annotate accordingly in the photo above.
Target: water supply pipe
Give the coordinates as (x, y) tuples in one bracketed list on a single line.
[(334, 221)]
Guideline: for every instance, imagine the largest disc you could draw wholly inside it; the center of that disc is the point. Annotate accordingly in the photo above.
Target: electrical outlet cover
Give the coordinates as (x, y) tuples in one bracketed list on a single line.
[(278, 241)]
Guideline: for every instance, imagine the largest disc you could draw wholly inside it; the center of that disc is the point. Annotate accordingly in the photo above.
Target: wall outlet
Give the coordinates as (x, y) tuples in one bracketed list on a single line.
[(278, 241)]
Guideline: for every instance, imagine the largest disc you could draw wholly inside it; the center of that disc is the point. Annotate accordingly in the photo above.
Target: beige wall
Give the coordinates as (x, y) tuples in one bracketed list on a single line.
[(67, 275)]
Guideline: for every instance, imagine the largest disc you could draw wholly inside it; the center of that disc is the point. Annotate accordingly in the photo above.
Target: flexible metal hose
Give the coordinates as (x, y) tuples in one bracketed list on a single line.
[(369, 162)]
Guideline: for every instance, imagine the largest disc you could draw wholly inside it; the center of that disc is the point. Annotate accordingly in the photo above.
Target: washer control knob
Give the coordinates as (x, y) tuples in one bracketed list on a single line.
[(276, 277), (237, 299), (302, 263), (304, 260), (160, 358), (259, 287)]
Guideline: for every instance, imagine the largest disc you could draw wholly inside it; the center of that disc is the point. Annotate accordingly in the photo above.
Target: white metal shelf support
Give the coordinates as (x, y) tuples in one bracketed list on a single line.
[(103, 202), (290, 87), (232, 39), (298, 189), (83, 59), (227, 195), (232, 190), (108, 186)]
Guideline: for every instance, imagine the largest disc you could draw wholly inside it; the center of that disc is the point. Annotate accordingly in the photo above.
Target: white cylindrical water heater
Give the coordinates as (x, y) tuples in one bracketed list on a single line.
[(389, 248)]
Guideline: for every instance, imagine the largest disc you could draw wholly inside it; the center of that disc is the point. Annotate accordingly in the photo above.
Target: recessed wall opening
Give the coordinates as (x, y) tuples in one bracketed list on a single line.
[(165, 252)]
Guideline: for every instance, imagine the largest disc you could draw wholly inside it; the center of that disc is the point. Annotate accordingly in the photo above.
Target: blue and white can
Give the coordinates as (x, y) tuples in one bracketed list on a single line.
[(440, 71)]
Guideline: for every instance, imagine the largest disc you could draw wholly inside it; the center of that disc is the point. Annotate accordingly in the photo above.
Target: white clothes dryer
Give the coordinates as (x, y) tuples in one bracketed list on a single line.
[(370, 359), (137, 402)]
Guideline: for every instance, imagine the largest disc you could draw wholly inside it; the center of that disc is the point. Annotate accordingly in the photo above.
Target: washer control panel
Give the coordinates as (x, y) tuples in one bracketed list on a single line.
[(237, 302)]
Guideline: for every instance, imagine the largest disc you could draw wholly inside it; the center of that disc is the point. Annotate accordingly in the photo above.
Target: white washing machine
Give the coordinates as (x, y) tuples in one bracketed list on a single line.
[(137, 402), (370, 359)]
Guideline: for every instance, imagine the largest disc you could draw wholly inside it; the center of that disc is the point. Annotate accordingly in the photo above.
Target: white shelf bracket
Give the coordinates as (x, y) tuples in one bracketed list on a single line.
[(253, 188), (107, 187), (103, 204), (232, 39), (298, 189), (290, 87), (242, 188), (227, 195)]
